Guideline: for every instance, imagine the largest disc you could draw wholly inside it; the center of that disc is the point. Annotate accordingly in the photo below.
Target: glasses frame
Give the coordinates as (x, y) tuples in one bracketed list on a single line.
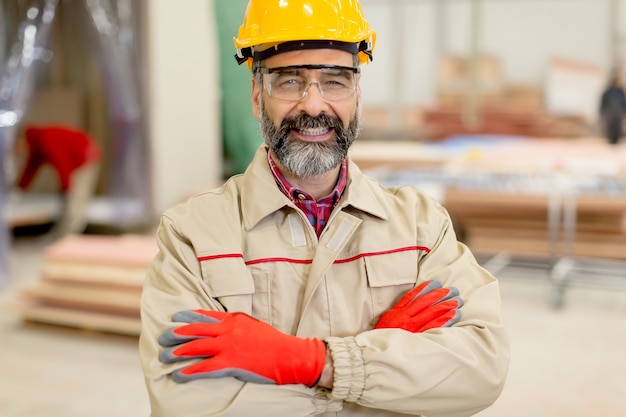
[(266, 70)]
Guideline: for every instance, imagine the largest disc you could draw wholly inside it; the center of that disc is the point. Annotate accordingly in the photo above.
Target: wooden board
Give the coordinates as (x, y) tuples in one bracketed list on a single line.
[(124, 250), (81, 273), (110, 301), (82, 319), (495, 241)]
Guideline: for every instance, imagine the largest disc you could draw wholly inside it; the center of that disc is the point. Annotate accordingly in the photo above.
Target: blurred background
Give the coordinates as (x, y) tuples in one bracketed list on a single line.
[(490, 106)]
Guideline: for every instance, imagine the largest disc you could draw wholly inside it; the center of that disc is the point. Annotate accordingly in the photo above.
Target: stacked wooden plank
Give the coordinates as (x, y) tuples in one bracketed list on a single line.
[(520, 224), (91, 282)]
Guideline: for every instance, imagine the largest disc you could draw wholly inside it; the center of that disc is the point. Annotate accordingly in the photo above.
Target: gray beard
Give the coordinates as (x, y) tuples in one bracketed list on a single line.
[(308, 159)]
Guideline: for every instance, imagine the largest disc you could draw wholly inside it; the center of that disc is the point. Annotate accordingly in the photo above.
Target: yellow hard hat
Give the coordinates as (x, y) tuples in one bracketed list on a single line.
[(274, 26)]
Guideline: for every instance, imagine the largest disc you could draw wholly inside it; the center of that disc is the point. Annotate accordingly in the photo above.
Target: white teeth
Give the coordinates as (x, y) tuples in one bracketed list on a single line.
[(314, 131)]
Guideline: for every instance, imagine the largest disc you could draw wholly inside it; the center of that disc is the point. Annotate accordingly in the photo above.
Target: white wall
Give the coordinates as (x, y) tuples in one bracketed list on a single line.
[(183, 99), (524, 34)]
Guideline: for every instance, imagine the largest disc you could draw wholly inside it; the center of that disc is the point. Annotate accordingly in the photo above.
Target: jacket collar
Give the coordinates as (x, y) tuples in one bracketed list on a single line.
[(261, 196)]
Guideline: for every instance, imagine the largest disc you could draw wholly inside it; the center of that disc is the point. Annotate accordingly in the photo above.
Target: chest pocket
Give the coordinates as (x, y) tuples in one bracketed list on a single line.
[(230, 282), (389, 277)]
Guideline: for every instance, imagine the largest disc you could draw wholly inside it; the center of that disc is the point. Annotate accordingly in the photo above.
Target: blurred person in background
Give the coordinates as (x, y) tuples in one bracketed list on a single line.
[(303, 287), (64, 148), (74, 157), (613, 109)]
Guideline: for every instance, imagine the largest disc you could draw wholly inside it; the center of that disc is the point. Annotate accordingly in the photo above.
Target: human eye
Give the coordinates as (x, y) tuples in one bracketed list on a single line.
[(337, 79), (287, 80)]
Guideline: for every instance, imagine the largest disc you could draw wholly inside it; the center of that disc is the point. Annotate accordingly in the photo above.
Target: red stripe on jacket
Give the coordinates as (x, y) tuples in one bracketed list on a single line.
[(308, 261)]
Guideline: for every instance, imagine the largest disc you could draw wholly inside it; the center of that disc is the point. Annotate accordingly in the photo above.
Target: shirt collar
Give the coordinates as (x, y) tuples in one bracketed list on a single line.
[(260, 196)]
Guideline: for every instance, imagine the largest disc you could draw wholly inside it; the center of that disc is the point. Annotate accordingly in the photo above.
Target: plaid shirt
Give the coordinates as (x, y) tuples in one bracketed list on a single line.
[(319, 211)]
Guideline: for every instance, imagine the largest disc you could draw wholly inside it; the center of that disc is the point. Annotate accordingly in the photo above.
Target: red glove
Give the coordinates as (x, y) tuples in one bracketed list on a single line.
[(425, 307), (237, 345)]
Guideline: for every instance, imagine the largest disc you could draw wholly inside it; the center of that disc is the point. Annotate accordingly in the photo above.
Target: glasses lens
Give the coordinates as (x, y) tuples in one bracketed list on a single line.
[(293, 83)]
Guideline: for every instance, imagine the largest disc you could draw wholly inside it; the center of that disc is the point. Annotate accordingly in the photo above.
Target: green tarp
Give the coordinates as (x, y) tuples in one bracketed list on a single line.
[(239, 127)]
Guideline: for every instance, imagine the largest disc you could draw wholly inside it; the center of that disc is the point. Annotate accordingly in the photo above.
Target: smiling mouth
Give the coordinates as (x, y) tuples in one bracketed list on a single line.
[(317, 131)]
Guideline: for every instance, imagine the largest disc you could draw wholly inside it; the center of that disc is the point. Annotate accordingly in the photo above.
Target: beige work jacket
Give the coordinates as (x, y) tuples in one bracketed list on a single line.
[(246, 247)]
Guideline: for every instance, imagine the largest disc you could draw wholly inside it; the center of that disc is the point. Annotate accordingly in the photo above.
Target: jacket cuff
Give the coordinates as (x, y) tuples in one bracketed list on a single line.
[(349, 368)]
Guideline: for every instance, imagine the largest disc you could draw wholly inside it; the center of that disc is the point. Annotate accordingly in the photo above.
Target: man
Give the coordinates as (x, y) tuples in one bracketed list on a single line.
[(613, 110), (303, 287)]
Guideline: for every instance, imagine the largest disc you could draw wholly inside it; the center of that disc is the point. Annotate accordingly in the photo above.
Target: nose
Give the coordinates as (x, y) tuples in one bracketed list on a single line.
[(313, 102), (308, 88)]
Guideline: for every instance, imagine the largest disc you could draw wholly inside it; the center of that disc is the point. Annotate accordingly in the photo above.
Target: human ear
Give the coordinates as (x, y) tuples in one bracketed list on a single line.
[(256, 98)]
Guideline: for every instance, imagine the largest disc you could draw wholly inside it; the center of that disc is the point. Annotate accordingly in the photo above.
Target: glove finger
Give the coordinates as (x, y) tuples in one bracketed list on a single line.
[(198, 348), (452, 302), (171, 338), (427, 300), (210, 369), (453, 292), (455, 316), (424, 288), (196, 330), (437, 315), (189, 332), (435, 311), (447, 319), (194, 316), (168, 355)]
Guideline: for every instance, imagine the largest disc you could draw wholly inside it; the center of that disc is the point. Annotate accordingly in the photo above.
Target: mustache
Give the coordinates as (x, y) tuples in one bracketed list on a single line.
[(305, 121)]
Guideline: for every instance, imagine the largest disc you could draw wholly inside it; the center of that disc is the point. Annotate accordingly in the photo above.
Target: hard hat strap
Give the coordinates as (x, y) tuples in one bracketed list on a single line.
[(366, 47), (258, 55), (243, 55), (308, 44)]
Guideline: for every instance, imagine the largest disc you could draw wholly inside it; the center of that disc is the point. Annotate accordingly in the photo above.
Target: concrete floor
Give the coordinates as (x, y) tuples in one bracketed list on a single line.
[(567, 362)]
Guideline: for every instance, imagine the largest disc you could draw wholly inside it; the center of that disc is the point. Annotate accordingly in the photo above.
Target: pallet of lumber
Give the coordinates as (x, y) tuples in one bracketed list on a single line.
[(91, 282)]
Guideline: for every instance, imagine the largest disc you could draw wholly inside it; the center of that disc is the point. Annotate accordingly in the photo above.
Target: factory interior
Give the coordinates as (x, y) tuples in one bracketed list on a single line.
[(490, 106)]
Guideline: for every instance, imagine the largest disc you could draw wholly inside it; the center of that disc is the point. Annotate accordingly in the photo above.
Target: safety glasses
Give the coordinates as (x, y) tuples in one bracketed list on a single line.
[(292, 83)]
